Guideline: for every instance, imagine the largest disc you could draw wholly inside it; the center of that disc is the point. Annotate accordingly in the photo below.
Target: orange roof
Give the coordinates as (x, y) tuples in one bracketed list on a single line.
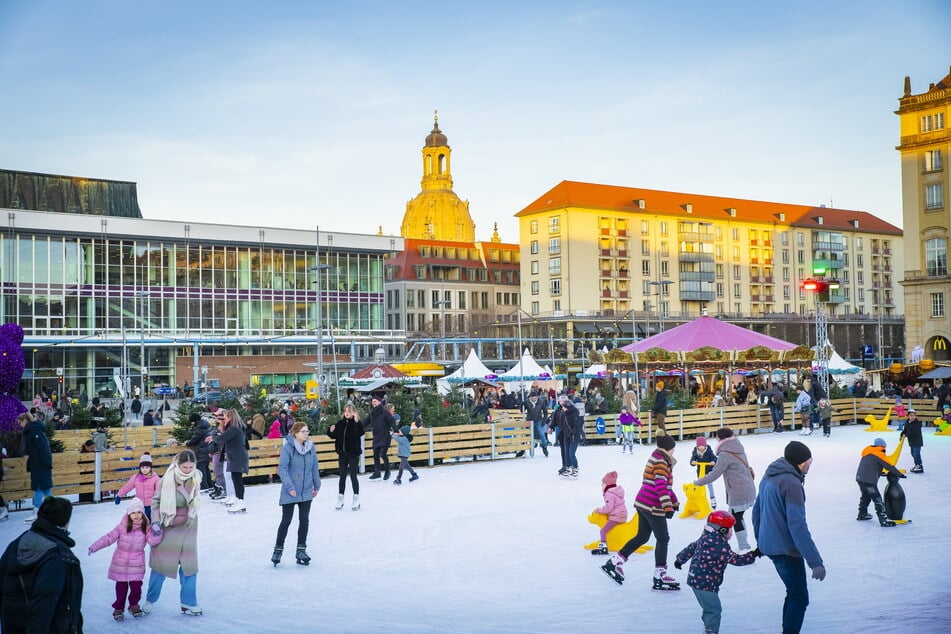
[(405, 260), (616, 198), (384, 371)]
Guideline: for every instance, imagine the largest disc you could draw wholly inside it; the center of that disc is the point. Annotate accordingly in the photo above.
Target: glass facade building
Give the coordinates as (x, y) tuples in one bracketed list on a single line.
[(87, 289)]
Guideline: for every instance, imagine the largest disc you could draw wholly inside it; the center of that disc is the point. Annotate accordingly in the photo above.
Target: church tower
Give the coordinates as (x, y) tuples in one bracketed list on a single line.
[(437, 213)]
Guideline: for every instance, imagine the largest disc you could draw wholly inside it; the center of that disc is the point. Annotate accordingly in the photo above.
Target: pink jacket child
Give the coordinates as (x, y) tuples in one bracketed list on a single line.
[(275, 430), (614, 507), (145, 482), (127, 568)]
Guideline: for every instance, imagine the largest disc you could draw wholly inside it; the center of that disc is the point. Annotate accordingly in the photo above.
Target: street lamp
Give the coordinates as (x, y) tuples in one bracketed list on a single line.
[(441, 304), (321, 379), (637, 373), (880, 339), (140, 317), (660, 292)]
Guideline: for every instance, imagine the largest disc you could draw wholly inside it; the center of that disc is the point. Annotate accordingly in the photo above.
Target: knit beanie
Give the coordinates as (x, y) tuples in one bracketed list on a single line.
[(701, 441), (404, 430), (724, 432), (879, 442), (666, 442), (797, 453), (146, 459), (56, 511), (194, 417), (609, 479), (135, 506)]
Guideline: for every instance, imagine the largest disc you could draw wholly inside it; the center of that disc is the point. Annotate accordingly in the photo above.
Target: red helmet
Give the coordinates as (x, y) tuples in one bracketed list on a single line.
[(721, 519)]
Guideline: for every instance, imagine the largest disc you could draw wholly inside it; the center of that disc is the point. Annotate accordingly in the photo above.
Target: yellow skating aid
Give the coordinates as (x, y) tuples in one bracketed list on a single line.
[(697, 504), (879, 424), (944, 427), (617, 536)]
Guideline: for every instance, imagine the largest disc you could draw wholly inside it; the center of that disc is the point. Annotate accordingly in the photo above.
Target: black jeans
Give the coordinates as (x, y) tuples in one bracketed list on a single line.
[(238, 478), (205, 474), (869, 493), (379, 455), (348, 468), (303, 522), (647, 524)]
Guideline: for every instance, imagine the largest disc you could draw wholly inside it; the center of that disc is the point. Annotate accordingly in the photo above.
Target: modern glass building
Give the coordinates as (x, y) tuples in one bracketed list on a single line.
[(95, 293)]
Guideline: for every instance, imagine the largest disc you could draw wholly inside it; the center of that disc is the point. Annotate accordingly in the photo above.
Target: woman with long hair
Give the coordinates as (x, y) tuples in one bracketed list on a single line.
[(234, 444), (300, 482), (346, 434)]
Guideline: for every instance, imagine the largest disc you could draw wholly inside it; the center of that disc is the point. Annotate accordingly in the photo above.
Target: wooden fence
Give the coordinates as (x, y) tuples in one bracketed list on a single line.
[(507, 436)]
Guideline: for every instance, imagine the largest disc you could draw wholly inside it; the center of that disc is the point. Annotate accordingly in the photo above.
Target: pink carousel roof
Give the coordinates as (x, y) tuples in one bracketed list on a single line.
[(708, 331)]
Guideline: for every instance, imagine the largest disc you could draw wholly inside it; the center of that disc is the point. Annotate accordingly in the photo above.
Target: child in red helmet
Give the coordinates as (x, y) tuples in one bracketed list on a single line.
[(711, 553)]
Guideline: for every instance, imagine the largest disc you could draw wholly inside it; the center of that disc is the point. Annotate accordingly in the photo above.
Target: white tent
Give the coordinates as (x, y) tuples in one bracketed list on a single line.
[(841, 370), (529, 372), (472, 369), (593, 371)]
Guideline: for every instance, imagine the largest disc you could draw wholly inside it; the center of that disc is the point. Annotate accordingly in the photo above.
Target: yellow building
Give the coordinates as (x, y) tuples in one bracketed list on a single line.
[(604, 250), (925, 146)]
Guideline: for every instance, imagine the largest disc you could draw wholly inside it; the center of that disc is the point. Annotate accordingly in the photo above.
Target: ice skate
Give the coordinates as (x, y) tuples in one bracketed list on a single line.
[(339, 501), (662, 581), (136, 611), (916, 469), (863, 516), (612, 568), (238, 507), (883, 520), (4, 513), (118, 615), (147, 606), (356, 503), (602, 549), (545, 451), (191, 610), (397, 482), (276, 555), (573, 473), (713, 503), (302, 557), (375, 476)]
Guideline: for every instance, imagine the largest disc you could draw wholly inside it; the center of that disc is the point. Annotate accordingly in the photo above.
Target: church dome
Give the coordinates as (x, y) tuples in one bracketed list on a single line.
[(436, 138)]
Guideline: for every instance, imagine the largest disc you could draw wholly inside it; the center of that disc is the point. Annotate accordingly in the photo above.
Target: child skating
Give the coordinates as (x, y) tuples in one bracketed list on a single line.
[(870, 470), (912, 432), (710, 555), (614, 507), (144, 483), (127, 568), (628, 422), (900, 412), (403, 439), (703, 453)]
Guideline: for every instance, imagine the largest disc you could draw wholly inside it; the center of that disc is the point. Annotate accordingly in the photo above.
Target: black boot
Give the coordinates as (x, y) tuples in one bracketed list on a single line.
[(545, 451), (883, 520), (302, 557), (863, 515), (276, 555)]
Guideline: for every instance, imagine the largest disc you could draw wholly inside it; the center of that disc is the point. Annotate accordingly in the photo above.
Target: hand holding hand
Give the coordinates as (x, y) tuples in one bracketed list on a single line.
[(819, 573), (757, 552), (668, 513), (156, 529), (678, 564)]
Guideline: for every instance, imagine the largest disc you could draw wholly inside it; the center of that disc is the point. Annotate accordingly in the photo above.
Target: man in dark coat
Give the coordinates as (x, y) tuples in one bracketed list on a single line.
[(536, 413), (382, 424), (659, 409), (199, 443), (39, 461), (41, 580)]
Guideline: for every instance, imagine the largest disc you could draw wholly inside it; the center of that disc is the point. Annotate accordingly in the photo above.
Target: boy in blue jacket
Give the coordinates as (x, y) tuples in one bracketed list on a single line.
[(403, 439)]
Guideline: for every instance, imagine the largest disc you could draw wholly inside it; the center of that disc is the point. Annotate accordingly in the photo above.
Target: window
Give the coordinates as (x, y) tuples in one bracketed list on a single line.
[(554, 266), (554, 246), (785, 257), (645, 228), (646, 288), (784, 238), (485, 300), (859, 260), (800, 257), (664, 249), (554, 287), (533, 226), (718, 251), (462, 300), (663, 228), (858, 243), (719, 271), (421, 296), (785, 273), (934, 196), (534, 287), (410, 299), (534, 267), (932, 122), (533, 247), (936, 257), (736, 271), (860, 278), (736, 253), (937, 304), (719, 288), (933, 161), (554, 224), (535, 308), (645, 267), (735, 233), (737, 291), (800, 240), (754, 235), (645, 247)]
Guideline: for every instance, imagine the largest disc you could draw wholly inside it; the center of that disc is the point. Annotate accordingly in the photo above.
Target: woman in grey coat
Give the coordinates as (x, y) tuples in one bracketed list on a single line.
[(300, 482), (734, 466), (234, 444)]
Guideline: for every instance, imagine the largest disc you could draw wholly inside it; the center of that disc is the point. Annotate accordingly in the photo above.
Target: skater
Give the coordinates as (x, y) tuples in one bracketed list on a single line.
[(144, 482), (381, 424), (177, 500), (912, 432), (779, 525), (39, 461), (403, 438), (199, 443), (734, 466), (41, 579), (659, 409), (825, 416), (703, 453), (300, 482), (870, 469), (569, 424), (777, 407), (627, 422), (655, 503), (536, 413), (711, 554), (900, 413), (803, 407), (347, 434), (127, 568), (614, 507), (234, 444)]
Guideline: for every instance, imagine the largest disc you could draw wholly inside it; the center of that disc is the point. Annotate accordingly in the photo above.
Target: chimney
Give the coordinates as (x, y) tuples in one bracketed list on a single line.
[(907, 86)]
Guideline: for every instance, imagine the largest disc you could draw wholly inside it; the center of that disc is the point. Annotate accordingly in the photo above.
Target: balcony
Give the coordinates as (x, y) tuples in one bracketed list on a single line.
[(622, 273), (697, 296), (608, 253), (826, 263), (623, 294), (695, 236), (876, 250), (696, 276), (836, 298), (605, 231), (606, 293), (756, 297), (622, 233), (622, 253), (820, 245), (761, 279), (607, 273), (692, 256), (754, 242)]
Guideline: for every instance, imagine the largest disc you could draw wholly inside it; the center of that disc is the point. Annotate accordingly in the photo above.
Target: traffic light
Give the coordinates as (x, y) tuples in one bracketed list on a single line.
[(814, 286), (59, 379)]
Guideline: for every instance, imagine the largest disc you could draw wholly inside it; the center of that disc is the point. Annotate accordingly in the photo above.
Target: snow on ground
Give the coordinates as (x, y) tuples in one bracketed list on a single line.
[(497, 547)]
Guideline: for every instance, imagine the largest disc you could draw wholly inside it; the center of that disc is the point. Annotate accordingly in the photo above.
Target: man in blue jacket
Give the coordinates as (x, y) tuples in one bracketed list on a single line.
[(779, 524)]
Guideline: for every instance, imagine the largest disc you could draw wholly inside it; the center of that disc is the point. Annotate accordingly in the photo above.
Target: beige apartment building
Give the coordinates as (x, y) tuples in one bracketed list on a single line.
[(925, 146), (590, 250)]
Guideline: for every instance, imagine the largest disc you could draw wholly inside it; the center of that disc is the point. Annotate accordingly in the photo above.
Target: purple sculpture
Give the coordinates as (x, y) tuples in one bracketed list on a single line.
[(12, 364)]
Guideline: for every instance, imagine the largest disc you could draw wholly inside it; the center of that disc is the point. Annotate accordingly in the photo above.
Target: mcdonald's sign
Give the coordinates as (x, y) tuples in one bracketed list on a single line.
[(940, 343)]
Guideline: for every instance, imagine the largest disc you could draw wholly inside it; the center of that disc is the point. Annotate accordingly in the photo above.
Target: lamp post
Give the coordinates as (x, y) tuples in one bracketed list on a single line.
[(321, 379), (441, 304), (141, 296), (637, 373), (660, 292), (880, 336)]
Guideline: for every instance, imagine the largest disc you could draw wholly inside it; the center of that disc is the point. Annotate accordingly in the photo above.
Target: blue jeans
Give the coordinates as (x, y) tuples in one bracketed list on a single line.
[(712, 609), (189, 587), (916, 454), (541, 435), (792, 570), (39, 495), (572, 447)]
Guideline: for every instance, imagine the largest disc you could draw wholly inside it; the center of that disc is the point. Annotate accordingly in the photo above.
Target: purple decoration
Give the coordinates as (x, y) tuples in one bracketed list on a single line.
[(12, 364)]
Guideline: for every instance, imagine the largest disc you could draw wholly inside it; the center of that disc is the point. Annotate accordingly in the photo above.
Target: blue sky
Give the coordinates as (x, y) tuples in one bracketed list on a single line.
[(295, 114)]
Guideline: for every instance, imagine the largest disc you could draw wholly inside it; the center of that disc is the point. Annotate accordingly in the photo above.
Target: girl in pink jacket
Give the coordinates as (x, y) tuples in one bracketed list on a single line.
[(144, 482), (275, 430), (614, 507), (128, 561)]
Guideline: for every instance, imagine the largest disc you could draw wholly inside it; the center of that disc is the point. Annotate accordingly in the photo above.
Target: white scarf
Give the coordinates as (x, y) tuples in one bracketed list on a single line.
[(175, 481)]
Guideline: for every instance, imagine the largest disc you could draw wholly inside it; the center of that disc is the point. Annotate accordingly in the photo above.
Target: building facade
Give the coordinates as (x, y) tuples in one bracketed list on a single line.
[(925, 146), (445, 284), (100, 294)]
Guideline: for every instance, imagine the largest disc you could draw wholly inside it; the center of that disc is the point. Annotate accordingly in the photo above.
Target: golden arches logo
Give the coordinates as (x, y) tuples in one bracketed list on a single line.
[(940, 343)]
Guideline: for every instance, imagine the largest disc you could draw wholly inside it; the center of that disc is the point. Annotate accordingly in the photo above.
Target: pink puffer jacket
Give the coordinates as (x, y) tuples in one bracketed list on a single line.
[(144, 487), (614, 506), (128, 560)]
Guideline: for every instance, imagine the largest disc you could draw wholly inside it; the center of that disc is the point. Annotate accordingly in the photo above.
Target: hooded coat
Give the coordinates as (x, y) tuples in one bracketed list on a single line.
[(39, 460), (779, 514), (739, 484), (382, 424), (298, 470), (614, 506), (128, 559), (871, 465), (197, 442)]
